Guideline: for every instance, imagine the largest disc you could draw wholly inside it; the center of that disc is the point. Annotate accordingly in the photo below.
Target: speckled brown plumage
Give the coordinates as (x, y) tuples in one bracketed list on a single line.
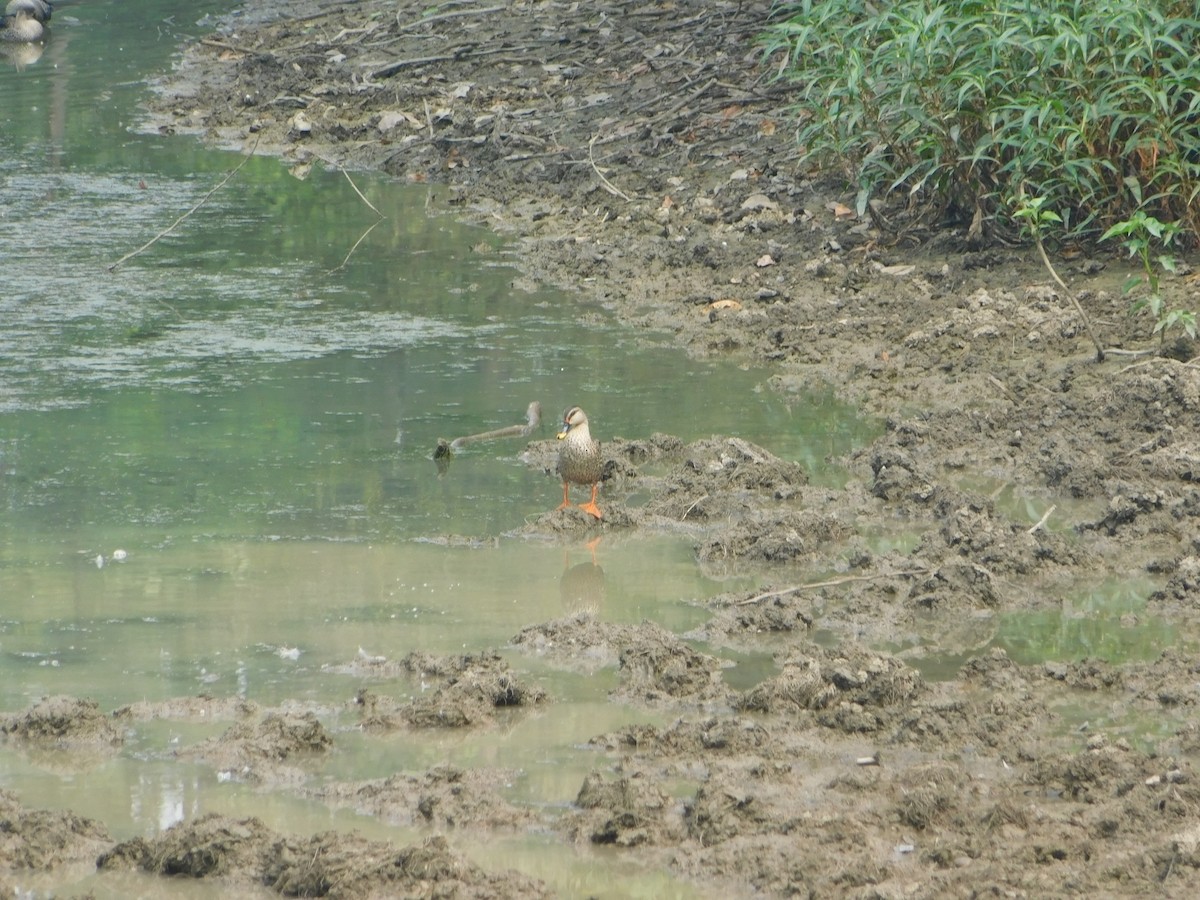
[(579, 460)]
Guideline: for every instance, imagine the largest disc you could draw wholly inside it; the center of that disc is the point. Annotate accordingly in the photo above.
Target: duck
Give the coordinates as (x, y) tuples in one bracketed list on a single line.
[(579, 459), (24, 21), (20, 28)]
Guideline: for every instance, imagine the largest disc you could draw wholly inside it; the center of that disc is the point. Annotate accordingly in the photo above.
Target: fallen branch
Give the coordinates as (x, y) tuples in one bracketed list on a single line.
[(455, 14), (832, 582), (1042, 521), (392, 68), (175, 224)]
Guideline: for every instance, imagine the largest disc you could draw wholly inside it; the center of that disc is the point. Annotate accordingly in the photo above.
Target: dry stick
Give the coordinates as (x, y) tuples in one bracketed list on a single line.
[(1190, 364), (452, 15), (392, 68), (363, 236), (608, 186), (694, 95), (833, 582), (1087, 323), (361, 197), (1042, 521), (225, 45), (174, 224)]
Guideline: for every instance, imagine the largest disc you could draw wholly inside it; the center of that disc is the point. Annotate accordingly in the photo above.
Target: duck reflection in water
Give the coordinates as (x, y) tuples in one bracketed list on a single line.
[(581, 587)]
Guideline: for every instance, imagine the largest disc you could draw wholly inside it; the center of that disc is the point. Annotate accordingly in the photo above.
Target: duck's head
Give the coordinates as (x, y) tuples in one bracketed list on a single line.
[(38, 9), (572, 418)]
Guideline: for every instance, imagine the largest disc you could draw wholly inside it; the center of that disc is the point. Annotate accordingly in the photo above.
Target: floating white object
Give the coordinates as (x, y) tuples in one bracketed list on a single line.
[(119, 555)]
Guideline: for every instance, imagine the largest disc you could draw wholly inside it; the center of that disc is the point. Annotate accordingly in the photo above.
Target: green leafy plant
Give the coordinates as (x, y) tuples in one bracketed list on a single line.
[(1093, 103), (1141, 234)]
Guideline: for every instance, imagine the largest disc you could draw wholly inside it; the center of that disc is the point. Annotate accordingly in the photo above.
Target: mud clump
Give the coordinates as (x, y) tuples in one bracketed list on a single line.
[(579, 641), (687, 739), (329, 864), (626, 811), (266, 748), (774, 538), (850, 689), (657, 667), (719, 477), (63, 723), (41, 839), (470, 691), (443, 797)]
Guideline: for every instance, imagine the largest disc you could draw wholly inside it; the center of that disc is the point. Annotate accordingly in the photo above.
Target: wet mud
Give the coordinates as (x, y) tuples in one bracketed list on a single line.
[(641, 156)]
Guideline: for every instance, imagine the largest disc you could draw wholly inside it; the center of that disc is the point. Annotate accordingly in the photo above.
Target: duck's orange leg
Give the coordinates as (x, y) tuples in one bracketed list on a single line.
[(590, 506), (566, 496)]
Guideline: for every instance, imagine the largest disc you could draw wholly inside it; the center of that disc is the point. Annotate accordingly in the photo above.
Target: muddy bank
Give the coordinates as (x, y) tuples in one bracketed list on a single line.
[(641, 156)]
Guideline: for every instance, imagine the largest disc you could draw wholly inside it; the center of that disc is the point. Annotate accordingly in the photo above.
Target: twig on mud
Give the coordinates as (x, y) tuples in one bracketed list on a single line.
[(694, 95), (428, 118), (225, 45), (832, 582), (392, 68), (1004, 387), (608, 186), (1087, 323), (1190, 364), (1042, 521), (175, 224), (1144, 447), (458, 13)]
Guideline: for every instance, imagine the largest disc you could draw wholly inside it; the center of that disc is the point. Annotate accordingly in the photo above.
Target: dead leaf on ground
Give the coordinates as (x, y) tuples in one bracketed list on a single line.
[(766, 127), (759, 202), (667, 202), (765, 260), (726, 303), (839, 210)]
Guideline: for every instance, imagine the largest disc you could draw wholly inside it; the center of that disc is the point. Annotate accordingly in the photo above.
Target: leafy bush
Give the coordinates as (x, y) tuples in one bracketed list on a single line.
[(1092, 104)]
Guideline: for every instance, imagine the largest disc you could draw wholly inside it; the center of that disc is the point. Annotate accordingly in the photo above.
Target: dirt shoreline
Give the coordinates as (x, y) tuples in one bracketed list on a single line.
[(641, 154)]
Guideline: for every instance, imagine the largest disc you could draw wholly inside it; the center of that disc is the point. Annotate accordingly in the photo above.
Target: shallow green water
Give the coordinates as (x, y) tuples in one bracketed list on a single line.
[(251, 427)]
